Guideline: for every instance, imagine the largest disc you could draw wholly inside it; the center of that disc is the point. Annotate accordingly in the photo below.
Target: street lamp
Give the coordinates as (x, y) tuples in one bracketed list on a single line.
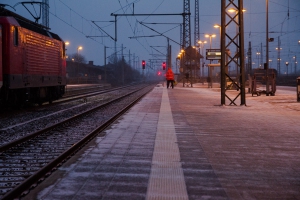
[(105, 47), (178, 60), (219, 26), (278, 60), (66, 44), (181, 65), (232, 10), (78, 48), (209, 68), (295, 63), (210, 36), (202, 43), (258, 55)]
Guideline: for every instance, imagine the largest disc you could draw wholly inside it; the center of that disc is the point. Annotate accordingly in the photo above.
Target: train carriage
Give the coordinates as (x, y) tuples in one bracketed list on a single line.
[(33, 66), (1, 74)]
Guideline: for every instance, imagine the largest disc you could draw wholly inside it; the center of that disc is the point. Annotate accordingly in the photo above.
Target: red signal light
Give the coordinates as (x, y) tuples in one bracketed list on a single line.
[(164, 65), (143, 64)]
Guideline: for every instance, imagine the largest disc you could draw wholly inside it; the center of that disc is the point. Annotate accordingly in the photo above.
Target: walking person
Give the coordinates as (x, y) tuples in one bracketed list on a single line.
[(170, 78)]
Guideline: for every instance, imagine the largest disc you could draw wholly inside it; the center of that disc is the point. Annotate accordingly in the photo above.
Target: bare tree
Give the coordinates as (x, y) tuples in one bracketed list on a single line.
[(76, 58)]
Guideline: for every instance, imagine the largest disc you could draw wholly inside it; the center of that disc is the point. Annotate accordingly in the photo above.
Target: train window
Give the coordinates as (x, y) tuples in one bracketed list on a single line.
[(16, 38)]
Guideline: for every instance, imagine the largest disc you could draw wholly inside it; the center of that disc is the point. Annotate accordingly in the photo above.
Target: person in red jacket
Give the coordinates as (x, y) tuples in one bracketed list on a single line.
[(170, 78)]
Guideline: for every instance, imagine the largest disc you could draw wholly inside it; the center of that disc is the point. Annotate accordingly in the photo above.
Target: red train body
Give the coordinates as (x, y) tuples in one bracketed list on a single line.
[(32, 66)]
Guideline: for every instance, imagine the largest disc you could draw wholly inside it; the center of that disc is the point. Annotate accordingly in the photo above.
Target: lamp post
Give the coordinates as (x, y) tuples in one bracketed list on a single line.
[(78, 48), (270, 62), (105, 47), (202, 43), (267, 46), (258, 55), (278, 59), (219, 26), (210, 36), (295, 56), (287, 68), (181, 67), (66, 44), (295, 64), (209, 69), (178, 62)]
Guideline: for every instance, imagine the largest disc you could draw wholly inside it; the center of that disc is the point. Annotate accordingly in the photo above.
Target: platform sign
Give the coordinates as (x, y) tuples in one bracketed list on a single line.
[(213, 54)]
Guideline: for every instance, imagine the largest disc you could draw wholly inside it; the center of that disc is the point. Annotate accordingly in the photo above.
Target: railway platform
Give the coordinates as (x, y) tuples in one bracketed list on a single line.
[(181, 144)]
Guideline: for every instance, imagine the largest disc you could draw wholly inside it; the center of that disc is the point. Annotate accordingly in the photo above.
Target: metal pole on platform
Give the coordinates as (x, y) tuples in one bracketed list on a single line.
[(223, 50), (267, 47), (105, 63), (242, 60)]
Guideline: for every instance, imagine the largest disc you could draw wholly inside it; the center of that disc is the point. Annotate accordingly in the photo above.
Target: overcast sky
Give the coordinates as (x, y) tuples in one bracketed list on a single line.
[(71, 19)]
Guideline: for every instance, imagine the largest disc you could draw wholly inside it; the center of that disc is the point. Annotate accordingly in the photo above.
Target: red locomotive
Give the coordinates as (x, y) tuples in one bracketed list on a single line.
[(32, 65)]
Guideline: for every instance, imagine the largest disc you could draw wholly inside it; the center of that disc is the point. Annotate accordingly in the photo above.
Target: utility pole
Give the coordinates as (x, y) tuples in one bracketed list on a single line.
[(267, 47), (115, 57), (295, 64), (249, 58), (122, 66), (129, 61), (105, 63), (186, 24), (278, 57), (197, 25), (261, 56)]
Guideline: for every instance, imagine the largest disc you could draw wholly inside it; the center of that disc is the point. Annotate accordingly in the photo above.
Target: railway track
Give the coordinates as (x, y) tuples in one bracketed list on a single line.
[(86, 92), (70, 95), (19, 124), (28, 160)]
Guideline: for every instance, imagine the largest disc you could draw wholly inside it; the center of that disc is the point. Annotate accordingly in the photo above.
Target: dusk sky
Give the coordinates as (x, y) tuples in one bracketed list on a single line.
[(71, 20)]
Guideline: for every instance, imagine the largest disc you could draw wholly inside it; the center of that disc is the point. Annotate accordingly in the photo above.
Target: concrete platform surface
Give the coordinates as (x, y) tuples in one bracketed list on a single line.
[(181, 144)]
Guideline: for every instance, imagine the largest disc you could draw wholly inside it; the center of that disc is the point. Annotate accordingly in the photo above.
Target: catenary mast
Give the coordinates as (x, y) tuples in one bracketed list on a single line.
[(45, 13)]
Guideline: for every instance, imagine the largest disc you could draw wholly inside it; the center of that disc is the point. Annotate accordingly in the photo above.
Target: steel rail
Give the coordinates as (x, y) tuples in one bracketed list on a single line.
[(42, 173), (71, 97)]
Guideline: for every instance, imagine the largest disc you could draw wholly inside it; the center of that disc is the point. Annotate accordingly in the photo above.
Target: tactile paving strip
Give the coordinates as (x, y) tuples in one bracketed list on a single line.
[(166, 178)]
